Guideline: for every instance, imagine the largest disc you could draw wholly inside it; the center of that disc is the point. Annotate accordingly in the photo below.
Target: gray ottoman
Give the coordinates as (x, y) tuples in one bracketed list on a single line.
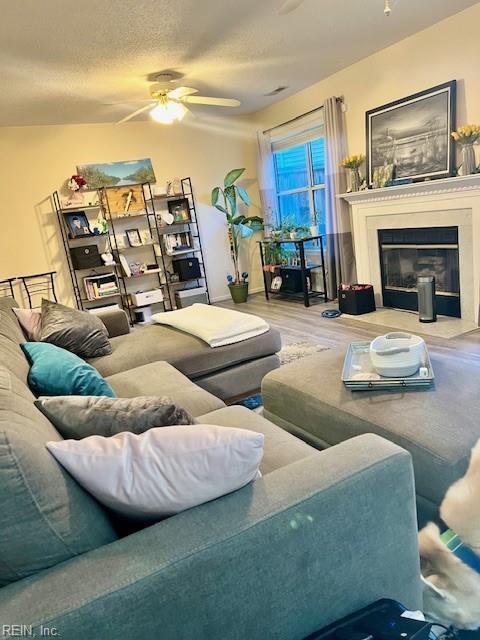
[(438, 426)]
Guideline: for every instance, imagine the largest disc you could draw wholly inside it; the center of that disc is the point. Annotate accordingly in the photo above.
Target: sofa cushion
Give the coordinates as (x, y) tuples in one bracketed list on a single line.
[(11, 335), (57, 372), (13, 358), (80, 332), (46, 516), (188, 354), (280, 448), (78, 417), (9, 325), (161, 379)]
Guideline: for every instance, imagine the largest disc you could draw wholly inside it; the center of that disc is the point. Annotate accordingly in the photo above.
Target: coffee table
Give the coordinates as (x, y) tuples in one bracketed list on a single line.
[(438, 425)]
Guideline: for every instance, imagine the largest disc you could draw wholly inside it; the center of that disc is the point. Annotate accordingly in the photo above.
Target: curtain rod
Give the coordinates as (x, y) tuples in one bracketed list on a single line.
[(282, 124)]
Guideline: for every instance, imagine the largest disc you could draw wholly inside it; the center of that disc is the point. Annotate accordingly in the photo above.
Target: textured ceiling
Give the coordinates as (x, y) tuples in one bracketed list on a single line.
[(64, 61)]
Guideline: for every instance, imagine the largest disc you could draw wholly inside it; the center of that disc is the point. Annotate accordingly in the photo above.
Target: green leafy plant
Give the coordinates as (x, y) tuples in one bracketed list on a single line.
[(286, 228), (227, 199)]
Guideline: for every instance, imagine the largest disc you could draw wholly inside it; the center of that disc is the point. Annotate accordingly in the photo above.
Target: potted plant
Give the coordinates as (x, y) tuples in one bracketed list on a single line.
[(353, 163), (239, 226)]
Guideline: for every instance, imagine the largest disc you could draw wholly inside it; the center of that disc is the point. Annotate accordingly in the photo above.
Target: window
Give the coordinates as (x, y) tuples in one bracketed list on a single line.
[(300, 182)]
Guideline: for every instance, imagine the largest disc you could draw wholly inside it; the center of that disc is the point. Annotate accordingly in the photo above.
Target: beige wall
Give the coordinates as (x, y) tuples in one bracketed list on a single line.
[(34, 161), (447, 50)]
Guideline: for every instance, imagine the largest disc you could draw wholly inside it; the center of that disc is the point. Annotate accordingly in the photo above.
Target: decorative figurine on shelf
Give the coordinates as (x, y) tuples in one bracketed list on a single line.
[(135, 269), (353, 163), (107, 256), (467, 136), (75, 184), (100, 226)]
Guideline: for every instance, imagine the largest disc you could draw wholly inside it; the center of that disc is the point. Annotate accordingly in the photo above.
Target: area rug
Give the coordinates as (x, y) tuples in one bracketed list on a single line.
[(296, 350), (290, 352)]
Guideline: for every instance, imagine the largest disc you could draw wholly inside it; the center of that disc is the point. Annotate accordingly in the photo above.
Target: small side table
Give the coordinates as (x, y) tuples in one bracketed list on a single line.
[(305, 270)]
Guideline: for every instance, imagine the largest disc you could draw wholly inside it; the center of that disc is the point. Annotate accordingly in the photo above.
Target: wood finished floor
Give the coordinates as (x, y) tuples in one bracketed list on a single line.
[(295, 322)]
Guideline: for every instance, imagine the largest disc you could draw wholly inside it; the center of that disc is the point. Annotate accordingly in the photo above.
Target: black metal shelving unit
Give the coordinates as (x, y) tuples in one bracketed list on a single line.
[(81, 299), (150, 222), (200, 283), (305, 269), (149, 218)]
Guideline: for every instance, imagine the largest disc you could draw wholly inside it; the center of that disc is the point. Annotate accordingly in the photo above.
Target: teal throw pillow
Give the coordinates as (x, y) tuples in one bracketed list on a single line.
[(57, 372)]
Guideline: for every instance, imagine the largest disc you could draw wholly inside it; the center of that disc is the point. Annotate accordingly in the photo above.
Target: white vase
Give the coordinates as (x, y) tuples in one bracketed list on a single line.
[(469, 165), (355, 180)]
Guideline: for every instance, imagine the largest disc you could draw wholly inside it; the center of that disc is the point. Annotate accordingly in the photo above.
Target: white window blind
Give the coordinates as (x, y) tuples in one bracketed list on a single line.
[(300, 131)]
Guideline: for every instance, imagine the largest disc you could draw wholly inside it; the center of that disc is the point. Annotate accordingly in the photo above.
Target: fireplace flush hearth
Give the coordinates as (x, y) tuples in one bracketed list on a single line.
[(407, 253)]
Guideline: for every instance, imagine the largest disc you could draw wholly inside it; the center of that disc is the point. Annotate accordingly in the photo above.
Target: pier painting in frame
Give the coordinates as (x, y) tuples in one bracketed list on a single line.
[(414, 135)]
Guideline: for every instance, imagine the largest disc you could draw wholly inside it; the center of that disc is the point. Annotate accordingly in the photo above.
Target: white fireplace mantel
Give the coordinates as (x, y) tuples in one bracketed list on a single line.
[(435, 203), (428, 187)]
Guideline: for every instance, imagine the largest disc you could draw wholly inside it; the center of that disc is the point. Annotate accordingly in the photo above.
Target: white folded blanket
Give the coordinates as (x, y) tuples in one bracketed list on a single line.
[(216, 326)]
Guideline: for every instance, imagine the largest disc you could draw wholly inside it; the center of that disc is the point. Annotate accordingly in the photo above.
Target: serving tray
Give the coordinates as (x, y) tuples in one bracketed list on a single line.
[(357, 361)]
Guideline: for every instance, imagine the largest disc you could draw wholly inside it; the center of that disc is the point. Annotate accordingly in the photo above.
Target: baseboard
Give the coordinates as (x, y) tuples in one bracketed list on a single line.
[(227, 296)]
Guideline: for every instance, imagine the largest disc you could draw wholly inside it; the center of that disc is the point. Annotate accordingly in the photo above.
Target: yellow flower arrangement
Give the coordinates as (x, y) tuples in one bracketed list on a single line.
[(352, 162), (468, 134)]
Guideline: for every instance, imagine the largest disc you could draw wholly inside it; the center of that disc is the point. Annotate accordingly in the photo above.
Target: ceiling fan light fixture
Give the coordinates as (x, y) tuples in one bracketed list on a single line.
[(167, 112)]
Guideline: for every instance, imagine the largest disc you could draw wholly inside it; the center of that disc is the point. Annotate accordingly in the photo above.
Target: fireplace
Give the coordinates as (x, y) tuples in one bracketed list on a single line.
[(407, 253)]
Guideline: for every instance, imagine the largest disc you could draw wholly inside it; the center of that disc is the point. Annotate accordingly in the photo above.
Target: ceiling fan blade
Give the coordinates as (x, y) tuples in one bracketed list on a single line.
[(288, 6), (181, 92), (136, 113), (217, 102), (125, 102)]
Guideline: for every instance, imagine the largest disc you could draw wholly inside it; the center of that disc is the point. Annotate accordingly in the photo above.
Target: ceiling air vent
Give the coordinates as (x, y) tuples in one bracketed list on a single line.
[(275, 91)]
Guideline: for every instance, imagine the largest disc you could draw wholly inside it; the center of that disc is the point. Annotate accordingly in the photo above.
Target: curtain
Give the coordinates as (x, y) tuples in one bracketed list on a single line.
[(340, 259), (266, 178)]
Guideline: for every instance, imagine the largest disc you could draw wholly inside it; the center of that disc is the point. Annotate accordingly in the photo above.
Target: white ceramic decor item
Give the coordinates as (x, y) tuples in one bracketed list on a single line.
[(396, 355), (164, 470)]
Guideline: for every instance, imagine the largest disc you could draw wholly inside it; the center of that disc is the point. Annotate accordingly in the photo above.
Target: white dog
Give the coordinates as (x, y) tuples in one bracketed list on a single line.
[(452, 587)]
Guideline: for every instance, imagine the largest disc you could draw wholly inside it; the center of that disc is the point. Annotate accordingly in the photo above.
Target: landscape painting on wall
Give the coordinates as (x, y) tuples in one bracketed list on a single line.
[(117, 174), (413, 135)]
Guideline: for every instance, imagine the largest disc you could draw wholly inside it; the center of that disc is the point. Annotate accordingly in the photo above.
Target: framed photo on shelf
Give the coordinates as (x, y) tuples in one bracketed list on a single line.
[(77, 224), (125, 201), (177, 242), (133, 237), (180, 210), (413, 135)]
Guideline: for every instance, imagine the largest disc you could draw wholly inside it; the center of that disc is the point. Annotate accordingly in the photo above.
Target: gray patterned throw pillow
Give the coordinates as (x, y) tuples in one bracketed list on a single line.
[(80, 332), (77, 417)]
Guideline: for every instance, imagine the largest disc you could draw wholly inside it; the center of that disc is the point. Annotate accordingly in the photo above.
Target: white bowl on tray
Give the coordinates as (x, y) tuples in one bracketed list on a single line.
[(397, 354)]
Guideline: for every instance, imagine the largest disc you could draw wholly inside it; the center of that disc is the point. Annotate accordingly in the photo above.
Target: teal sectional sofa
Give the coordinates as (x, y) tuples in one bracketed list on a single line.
[(318, 536)]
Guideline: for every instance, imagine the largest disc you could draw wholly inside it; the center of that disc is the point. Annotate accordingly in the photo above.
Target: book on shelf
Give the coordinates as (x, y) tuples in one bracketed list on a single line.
[(97, 287)]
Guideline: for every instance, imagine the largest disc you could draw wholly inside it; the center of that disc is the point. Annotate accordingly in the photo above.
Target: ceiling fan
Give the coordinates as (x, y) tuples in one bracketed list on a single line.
[(169, 105)]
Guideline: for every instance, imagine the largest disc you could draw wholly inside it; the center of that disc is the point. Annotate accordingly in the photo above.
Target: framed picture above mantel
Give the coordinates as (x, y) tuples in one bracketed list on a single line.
[(412, 136)]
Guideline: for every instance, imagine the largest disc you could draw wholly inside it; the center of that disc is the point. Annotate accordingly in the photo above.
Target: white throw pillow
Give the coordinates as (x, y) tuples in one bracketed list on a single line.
[(164, 470)]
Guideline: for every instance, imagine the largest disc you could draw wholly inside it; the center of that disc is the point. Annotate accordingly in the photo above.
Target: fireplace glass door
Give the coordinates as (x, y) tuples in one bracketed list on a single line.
[(406, 254), (403, 265)]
